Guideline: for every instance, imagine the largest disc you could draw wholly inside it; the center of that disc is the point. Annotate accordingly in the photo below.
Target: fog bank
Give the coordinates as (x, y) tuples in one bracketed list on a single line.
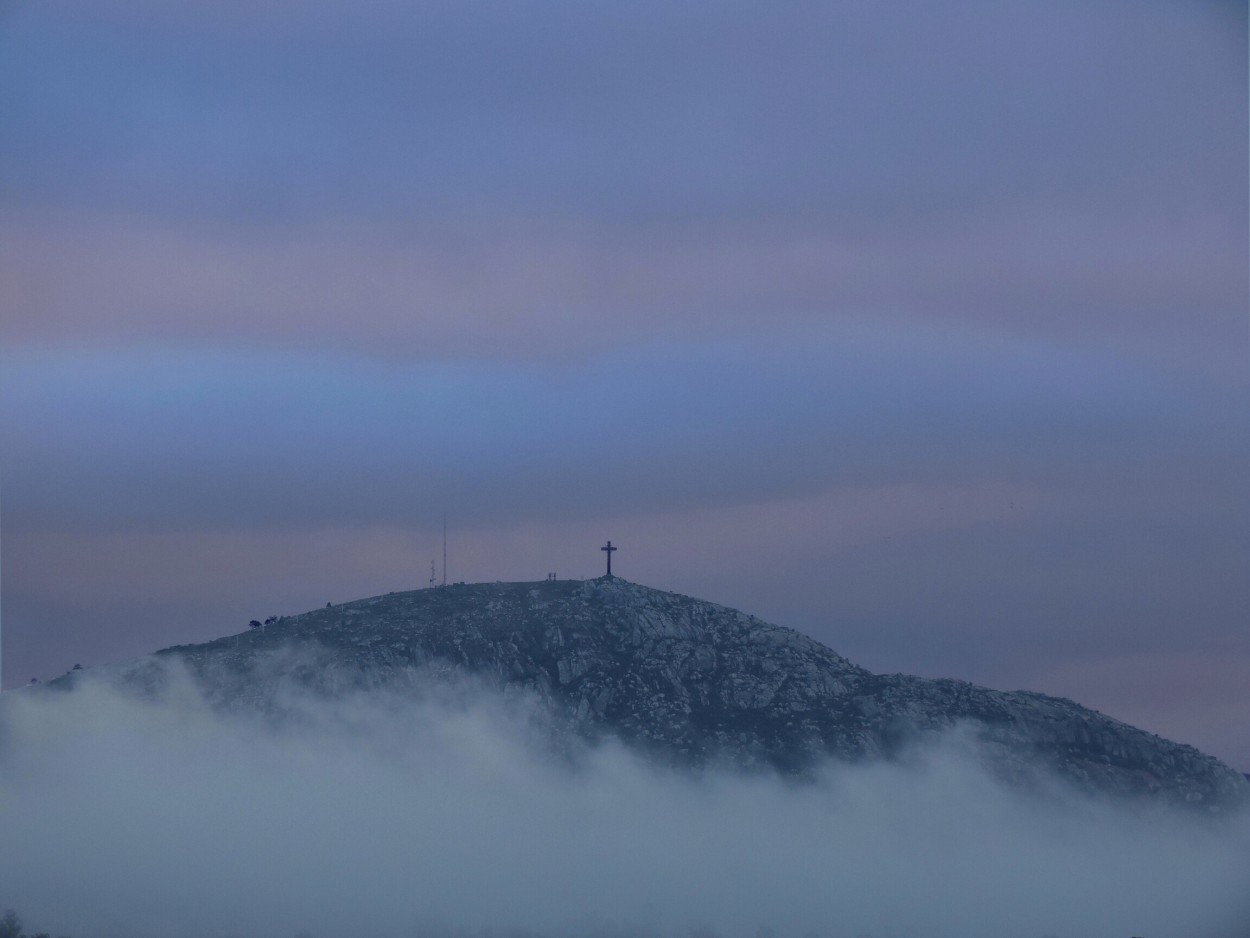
[(385, 816)]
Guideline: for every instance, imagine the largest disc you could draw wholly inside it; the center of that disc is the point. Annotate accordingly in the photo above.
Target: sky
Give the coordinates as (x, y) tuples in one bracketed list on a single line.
[(921, 328)]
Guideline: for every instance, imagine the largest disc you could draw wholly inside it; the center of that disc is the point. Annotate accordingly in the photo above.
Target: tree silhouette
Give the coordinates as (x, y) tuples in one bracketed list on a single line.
[(10, 925)]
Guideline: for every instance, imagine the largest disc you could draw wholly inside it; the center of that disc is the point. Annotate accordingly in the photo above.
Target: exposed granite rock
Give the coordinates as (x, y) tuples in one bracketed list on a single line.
[(692, 682)]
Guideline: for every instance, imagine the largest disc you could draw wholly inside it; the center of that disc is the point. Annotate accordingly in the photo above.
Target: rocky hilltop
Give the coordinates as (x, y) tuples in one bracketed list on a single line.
[(691, 682)]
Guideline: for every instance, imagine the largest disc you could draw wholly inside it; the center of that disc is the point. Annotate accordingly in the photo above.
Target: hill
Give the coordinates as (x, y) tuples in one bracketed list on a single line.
[(688, 681)]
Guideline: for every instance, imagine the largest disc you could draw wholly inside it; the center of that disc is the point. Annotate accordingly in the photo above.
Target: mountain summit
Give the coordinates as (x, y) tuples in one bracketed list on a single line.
[(691, 682)]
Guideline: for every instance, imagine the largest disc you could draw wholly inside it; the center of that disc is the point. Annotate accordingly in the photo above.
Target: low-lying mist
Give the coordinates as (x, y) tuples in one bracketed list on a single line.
[(386, 815)]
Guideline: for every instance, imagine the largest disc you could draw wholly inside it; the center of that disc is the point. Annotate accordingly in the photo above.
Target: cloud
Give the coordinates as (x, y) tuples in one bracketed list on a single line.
[(672, 109), (374, 815), (549, 181), (542, 291), (232, 437)]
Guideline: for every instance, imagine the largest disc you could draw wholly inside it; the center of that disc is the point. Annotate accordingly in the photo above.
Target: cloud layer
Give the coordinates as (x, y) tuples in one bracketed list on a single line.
[(377, 816)]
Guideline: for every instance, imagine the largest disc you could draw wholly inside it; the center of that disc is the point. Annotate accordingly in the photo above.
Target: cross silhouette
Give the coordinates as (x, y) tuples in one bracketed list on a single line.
[(609, 548)]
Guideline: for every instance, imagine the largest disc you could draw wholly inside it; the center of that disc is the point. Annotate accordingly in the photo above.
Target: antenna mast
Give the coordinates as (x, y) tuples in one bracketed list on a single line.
[(1, 642), (444, 548)]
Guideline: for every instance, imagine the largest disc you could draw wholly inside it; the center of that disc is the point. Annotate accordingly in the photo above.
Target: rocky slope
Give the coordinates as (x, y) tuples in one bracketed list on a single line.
[(692, 682)]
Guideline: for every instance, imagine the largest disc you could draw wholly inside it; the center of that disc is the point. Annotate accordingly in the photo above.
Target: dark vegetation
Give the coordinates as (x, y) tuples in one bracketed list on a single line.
[(11, 927)]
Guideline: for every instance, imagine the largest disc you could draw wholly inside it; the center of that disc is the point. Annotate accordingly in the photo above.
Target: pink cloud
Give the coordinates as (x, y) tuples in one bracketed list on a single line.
[(547, 290)]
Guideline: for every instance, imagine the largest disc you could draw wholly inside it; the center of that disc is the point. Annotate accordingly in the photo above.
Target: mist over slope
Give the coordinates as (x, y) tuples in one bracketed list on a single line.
[(444, 812), (516, 759), (690, 682)]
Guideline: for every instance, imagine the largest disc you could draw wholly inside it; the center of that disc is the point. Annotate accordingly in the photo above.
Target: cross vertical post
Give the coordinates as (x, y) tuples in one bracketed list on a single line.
[(609, 548)]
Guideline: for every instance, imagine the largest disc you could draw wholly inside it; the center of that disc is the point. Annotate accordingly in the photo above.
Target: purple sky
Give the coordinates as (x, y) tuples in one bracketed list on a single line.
[(919, 327)]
